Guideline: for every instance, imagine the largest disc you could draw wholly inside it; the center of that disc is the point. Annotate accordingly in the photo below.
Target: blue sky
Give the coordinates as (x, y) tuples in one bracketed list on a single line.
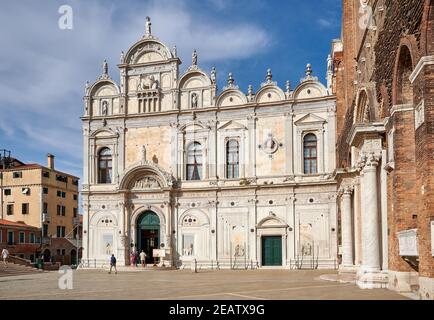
[(43, 69)]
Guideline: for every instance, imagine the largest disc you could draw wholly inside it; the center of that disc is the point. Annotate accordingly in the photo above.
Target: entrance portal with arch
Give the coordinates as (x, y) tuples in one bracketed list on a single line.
[(148, 234)]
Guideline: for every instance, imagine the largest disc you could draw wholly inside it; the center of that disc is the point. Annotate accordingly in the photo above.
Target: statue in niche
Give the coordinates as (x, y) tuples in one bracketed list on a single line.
[(104, 110), (194, 100), (174, 53), (108, 248), (366, 114)]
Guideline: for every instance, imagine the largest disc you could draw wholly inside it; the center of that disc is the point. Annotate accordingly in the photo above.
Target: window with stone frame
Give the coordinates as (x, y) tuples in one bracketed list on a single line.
[(105, 166), (419, 114), (310, 154), (10, 209), (232, 159), (194, 161)]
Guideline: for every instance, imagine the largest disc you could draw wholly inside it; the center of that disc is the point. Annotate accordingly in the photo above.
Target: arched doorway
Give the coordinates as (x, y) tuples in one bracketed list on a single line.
[(47, 255), (148, 234)]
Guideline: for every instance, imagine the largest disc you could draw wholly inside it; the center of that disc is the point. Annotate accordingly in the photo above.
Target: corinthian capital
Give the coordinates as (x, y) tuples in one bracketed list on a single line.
[(372, 160)]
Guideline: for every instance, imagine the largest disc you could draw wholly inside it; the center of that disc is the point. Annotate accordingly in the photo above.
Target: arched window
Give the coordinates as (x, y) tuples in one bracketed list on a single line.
[(232, 159), (310, 154), (105, 166), (194, 161)]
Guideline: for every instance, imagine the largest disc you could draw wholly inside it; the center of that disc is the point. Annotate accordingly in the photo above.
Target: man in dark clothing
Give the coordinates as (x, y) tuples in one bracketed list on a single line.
[(113, 264)]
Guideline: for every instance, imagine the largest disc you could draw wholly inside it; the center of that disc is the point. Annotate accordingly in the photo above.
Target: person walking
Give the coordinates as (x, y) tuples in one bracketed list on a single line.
[(113, 264), (5, 256), (143, 258)]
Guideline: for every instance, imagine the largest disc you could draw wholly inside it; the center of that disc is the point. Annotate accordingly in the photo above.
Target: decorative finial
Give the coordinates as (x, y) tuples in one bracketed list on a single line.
[(269, 75), (213, 75), (174, 51), (122, 57), (194, 58), (86, 86), (105, 67), (288, 86), (250, 93), (230, 79), (308, 70), (148, 27)]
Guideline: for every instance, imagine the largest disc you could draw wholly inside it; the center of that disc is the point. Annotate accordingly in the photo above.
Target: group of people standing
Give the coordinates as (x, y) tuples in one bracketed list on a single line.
[(136, 258)]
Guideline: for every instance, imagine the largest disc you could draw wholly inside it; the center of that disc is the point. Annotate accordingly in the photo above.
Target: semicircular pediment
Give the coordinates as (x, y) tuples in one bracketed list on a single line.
[(149, 50)]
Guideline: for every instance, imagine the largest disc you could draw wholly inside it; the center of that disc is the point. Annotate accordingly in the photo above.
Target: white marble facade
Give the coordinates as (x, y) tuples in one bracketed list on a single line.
[(148, 125)]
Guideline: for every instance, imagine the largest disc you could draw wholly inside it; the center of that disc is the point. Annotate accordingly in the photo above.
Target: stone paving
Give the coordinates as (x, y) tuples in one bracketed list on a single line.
[(184, 284)]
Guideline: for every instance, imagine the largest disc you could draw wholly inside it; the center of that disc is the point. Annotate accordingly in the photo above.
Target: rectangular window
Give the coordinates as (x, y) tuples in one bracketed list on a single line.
[(61, 178), (63, 210), (59, 209), (45, 230), (8, 192), (75, 197), (60, 231), (25, 208), (10, 238), (45, 174), (1, 236), (63, 194), (59, 193), (10, 209), (45, 208), (75, 182), (17, 174), (22, 237), (74, 212), (32, 237), (45, 190)]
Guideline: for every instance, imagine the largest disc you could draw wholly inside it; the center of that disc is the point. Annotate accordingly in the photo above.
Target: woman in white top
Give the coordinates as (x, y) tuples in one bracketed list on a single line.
[(5, 255)]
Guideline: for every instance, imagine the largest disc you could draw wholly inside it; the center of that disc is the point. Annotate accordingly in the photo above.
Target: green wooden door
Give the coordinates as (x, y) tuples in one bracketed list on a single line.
[(148, 234), (272, 251)]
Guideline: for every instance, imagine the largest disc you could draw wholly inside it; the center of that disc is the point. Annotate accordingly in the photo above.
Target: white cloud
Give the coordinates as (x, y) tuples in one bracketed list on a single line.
[(43, 68)]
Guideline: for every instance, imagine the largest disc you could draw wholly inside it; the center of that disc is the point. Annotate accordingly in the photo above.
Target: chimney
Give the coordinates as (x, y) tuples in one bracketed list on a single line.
[(50, 161)]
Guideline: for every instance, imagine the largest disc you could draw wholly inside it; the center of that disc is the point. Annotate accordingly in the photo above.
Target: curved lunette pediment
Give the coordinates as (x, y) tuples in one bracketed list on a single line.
[(190, 76), (100, 84), (272, 221), (104, 133), (146, 176), (309, 90), (231, 97), (270, 93), (157, 50)]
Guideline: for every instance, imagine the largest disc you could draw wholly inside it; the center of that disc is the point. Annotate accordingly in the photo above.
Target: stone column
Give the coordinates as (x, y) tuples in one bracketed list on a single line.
[(370, 231), (369, 275), (347, 232)]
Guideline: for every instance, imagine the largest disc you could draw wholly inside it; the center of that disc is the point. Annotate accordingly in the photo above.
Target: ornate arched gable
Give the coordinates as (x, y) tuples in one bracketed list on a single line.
[(145, 176), (269, 93), (147, 50), (310, 89), (231, 97), (194, 79), (104, 88)]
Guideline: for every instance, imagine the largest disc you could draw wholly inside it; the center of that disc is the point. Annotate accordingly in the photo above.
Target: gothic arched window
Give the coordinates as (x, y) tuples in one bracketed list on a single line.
[(310, 154), (232, 159), (105, 166), (194, 161)]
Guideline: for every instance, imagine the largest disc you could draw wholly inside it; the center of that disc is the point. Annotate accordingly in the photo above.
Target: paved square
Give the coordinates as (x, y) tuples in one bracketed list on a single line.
[(183, 284)]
